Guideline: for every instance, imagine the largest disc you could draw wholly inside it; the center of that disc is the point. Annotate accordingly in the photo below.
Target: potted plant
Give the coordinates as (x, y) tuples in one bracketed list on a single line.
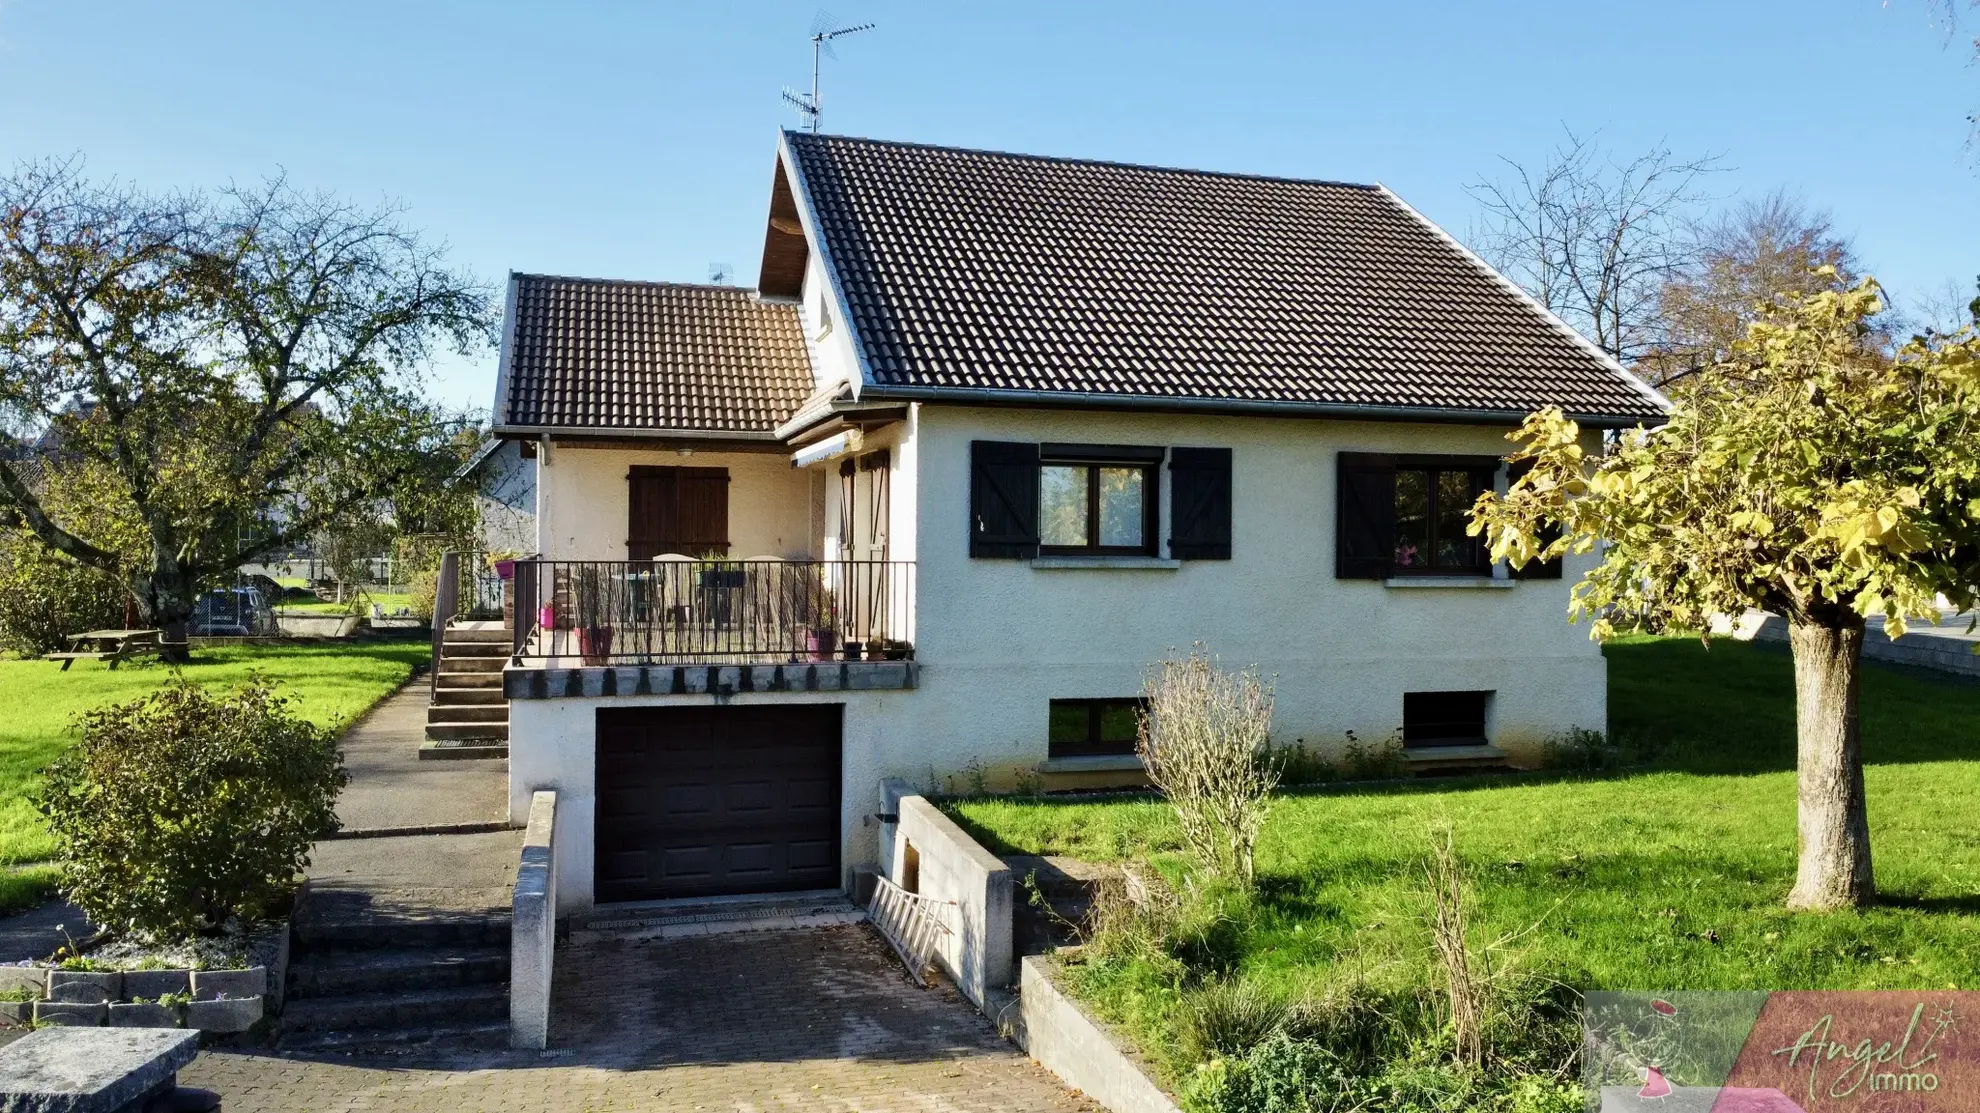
[(821, 610), (590, 592)]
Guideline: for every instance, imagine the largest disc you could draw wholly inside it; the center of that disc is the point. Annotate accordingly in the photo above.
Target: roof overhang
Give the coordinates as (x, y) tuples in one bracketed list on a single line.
[(1236, 407)]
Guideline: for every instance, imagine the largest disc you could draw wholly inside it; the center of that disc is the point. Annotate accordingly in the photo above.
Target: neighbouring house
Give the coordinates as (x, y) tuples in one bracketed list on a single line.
[(504, 476), (993, 434)]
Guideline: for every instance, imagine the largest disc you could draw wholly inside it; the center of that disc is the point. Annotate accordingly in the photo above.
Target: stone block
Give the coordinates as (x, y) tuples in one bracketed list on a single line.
[(91, 1070), (88, 986), (154, 984), (16, 1012), (24, 977), (208, 984), (127, 1015), (229, 1014), (85, 1014)]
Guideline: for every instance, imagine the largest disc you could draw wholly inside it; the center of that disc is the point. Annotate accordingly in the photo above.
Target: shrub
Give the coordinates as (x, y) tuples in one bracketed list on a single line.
[(1281, 1074), (1581, 750), (180, 811), (1297, 765), (1204, 739), (45, 597), (1381, 761)]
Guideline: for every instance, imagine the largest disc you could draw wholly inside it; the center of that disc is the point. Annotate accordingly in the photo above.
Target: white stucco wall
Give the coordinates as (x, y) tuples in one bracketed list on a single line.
[(582, 508), (505, 499), (999, 638)]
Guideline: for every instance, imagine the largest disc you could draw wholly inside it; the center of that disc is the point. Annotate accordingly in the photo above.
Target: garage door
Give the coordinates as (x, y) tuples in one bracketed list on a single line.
[(707, 801)]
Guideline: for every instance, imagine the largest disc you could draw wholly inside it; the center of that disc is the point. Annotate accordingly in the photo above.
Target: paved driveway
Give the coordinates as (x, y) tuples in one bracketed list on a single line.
[(818, 1019)]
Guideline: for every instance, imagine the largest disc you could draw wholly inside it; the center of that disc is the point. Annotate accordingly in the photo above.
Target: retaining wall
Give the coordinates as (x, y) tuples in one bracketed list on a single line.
[(533, 931), (926, 853)]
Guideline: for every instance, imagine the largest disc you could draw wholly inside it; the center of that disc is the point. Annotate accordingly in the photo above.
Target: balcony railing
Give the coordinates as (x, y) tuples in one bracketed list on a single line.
[(713, 611)]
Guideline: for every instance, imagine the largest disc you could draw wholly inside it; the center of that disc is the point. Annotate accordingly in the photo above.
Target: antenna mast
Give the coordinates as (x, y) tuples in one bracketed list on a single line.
[(811, 108)]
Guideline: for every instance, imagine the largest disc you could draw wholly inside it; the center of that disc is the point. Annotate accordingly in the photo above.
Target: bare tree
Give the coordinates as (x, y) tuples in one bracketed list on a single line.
[(1205, 737), (1594, 237), (1946, 14), (1737, 262), (1945, 308)]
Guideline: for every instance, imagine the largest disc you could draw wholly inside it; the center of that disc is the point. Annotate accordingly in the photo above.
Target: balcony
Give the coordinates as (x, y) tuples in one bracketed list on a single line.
[(680, 625)]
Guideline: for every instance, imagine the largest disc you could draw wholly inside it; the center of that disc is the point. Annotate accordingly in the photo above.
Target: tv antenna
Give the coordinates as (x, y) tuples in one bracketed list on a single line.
[(810, 108)]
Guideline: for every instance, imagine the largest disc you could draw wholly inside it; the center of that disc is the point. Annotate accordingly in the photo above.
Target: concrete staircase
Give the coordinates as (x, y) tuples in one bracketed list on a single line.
[(398, 987), (468, 717)]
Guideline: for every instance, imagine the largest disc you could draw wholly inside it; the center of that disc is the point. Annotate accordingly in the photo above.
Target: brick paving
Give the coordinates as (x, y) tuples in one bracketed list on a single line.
[(819, 1019)]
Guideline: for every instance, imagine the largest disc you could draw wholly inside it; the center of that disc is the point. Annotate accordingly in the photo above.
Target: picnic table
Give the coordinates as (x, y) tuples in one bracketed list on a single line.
[(110, 645)]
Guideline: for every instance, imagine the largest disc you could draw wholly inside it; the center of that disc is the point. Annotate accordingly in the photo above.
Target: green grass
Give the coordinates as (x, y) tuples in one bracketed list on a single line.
[(1667, 878), (391, 601), (331, 684)]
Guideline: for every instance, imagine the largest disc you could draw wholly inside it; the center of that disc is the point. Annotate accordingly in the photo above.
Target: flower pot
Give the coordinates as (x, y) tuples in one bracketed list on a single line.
[(821, 644), (505, 569), (595, 644), (852, 651), (546, 617)]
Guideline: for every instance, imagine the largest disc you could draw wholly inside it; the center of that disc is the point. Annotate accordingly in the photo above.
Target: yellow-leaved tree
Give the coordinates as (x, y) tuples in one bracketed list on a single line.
[(1813, 476)]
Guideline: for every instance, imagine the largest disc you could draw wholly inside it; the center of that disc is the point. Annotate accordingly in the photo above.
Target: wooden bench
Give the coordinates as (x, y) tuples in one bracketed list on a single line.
[(108, 645)]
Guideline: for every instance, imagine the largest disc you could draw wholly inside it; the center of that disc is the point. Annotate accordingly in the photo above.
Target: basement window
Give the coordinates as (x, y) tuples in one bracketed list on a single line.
[(1094, 727), (1444, 718)]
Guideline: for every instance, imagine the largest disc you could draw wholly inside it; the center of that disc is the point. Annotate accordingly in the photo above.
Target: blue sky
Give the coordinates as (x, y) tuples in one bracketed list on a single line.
[(636, 139)]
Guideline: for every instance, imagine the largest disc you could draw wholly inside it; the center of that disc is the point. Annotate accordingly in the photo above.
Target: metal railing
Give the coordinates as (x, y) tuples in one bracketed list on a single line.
[(684, 610)]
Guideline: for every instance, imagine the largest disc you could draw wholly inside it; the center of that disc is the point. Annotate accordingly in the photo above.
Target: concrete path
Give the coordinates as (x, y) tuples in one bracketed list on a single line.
[(391, 787), (822, 1019)]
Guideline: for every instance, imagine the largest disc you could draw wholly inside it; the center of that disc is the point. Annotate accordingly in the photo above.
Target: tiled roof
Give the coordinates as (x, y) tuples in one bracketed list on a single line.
[(650, 356), (986, 271)]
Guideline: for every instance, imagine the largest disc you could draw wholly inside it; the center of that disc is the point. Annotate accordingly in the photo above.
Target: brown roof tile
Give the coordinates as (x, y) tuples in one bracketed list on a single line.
[(600, 354), (989, 271)]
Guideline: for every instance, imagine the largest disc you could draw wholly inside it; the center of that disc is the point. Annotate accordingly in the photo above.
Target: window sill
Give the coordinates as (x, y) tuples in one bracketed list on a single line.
[(1118, 563), (1487, 582), (1103, 763)]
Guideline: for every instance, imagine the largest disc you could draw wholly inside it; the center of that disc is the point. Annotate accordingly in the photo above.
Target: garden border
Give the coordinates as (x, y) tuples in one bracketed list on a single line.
[(1054, 1030)]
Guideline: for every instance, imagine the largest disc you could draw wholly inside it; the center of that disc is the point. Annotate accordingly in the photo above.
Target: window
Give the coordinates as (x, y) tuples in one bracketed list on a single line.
[(1094, 727), (1444, 718), (1097, 500), (1406, 516), (1433, 507)]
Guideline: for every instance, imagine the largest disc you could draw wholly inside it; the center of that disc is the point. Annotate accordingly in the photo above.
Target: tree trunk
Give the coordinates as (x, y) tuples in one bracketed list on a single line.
[(167, 599), (1834, 825)]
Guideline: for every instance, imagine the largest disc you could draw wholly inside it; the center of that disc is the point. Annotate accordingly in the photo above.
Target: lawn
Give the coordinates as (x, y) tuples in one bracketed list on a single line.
[(1670, 877), (331, 684)]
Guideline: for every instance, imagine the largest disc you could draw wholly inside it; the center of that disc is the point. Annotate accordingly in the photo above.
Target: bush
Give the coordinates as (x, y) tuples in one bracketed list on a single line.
[(180, 811), (45, 597), (1387, 760), (1581, 750), (1205, 739)]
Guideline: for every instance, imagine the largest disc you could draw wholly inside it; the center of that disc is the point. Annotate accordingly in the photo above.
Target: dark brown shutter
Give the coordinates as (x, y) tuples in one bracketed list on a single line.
[(1003, 499), (1365, 516), (676, 510), (1536, 570), (704, 511), (1200, 504)]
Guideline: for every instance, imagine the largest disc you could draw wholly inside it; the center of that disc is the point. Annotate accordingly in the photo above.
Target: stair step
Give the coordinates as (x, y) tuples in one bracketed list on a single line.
[(341, 973), (320, 937), (497, 633), (468, 713), (463, 681), (458, 731), (399, 1041), (404, 1009), (462, 749), (472, 664), (463, 650), (454, 697)]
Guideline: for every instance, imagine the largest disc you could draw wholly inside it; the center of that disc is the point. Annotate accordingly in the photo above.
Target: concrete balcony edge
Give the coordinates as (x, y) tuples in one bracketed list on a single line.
[(593, 682)]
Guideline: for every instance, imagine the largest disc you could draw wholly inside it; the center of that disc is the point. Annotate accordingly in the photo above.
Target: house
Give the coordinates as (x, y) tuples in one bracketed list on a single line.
[(503, 473), (993, 433)]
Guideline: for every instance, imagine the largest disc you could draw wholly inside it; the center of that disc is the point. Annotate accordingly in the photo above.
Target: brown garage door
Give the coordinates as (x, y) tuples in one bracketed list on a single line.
[(705, 801)]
